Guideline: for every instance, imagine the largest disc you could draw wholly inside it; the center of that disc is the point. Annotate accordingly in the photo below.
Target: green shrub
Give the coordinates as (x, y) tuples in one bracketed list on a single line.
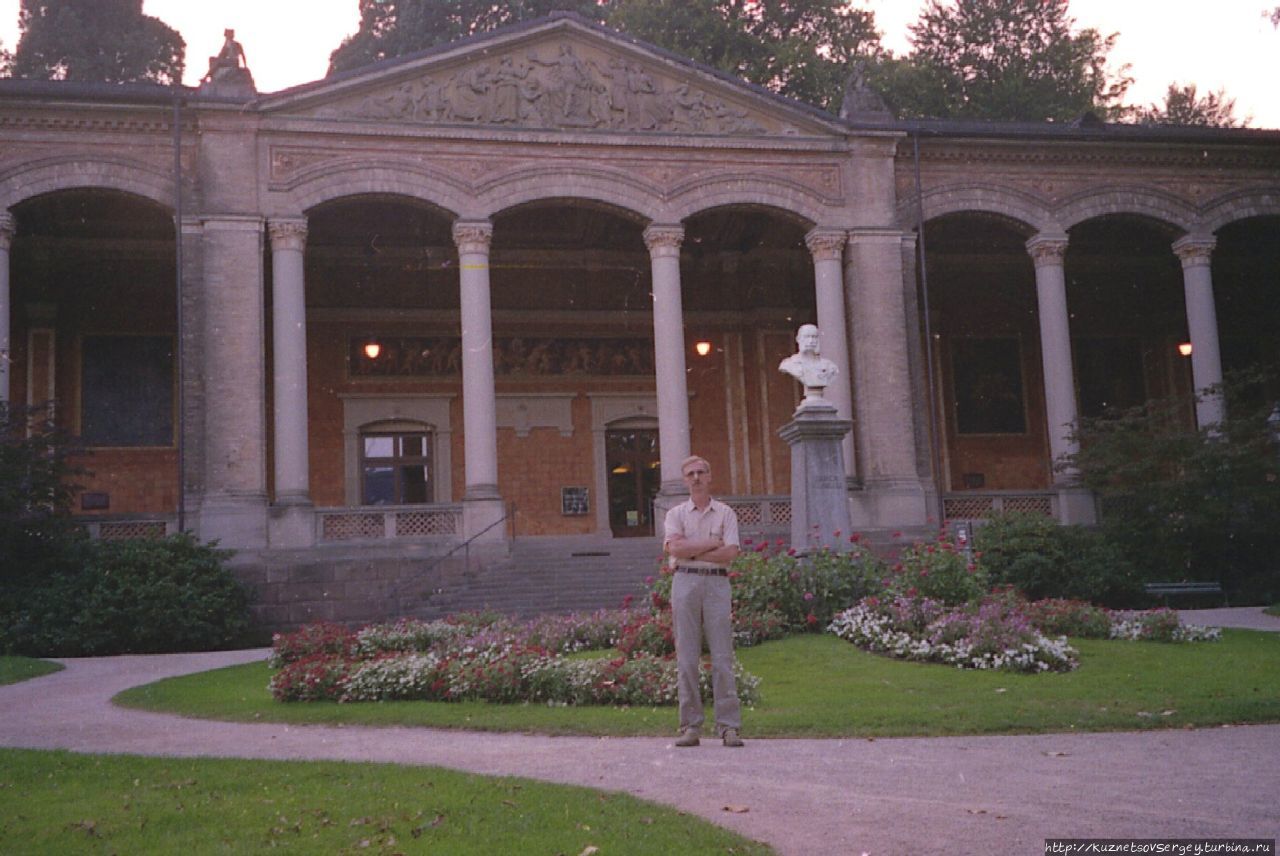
[(804, 591), (1042, 559), (937, 570), (132, 597)]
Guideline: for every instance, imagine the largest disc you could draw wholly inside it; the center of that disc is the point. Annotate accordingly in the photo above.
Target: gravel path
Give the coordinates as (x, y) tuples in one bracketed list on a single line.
[(884, 796)]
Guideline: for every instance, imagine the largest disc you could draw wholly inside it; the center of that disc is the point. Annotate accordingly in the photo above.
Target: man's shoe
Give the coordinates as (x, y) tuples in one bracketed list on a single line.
[(689, 737), (731, 738)]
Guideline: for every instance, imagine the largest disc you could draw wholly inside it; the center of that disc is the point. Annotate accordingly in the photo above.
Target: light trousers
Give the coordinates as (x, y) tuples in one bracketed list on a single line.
[(703, 605)]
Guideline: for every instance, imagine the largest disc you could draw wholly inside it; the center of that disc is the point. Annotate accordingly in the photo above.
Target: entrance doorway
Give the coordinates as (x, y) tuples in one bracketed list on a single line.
[(631, 456)]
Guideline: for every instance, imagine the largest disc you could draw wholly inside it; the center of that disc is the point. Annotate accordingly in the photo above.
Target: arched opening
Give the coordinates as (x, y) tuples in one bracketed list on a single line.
[(1246, 288), (382, 320), (94, 336), (1128, 313), (748, 283), (984, 320)]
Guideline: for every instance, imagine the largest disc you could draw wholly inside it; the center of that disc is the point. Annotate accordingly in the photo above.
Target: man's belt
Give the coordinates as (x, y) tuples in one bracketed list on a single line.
[(702, 572)]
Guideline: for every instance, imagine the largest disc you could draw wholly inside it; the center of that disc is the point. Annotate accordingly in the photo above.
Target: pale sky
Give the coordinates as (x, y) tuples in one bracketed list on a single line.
[(1212, 43)]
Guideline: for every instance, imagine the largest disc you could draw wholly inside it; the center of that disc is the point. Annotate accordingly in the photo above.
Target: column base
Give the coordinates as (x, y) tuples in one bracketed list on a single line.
[(891, 504), (291, 525), (1076, 505), (482, 519), (235, 522)]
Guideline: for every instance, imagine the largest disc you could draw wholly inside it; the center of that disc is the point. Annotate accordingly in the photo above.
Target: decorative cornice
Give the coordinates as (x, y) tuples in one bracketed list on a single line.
[(287, 233), (1047, 249), (1194, 250), (473, 236), (826, 244), (7, 227), (1060, 153), (663, 239)]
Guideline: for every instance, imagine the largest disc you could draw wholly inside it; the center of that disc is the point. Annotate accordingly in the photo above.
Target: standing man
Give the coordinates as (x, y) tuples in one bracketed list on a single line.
[(700, 537)]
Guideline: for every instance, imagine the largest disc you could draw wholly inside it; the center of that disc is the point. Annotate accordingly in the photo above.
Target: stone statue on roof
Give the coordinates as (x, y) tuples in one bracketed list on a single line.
[(229, 70)]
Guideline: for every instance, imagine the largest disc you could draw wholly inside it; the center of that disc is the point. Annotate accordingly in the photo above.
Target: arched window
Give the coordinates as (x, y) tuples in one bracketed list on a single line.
[(396, 468)]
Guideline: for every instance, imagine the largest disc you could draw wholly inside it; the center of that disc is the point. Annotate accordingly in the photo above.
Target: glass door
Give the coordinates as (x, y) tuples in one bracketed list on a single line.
[(634, 478)]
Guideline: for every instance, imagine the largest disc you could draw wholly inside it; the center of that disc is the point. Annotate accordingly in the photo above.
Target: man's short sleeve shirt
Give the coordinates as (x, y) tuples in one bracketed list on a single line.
[(716, 521)]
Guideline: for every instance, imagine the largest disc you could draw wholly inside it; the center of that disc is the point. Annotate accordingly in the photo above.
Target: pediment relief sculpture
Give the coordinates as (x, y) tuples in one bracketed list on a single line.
[(556, 87)]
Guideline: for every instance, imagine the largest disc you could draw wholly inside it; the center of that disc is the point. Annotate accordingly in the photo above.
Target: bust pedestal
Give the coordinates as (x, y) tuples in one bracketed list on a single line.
[(819, 495)]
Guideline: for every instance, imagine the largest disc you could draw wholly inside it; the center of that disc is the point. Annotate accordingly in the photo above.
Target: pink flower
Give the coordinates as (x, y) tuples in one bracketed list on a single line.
[(747, 542), (896, 535), (808, 595), (791, 551)]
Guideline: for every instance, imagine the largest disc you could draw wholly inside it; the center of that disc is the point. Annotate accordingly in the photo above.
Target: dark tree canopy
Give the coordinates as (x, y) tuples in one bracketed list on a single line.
[(391, 28), (1002, 59), (798, 48), (96, 40), (1184, 106)]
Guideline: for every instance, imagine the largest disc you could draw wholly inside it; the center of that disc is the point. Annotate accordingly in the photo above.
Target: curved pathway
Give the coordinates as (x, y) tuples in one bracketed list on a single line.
[(884, 796)]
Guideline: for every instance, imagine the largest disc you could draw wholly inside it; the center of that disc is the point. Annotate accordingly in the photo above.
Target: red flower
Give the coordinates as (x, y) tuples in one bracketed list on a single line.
[(855, 538), (747, 542), (811, 619), (895, 535)]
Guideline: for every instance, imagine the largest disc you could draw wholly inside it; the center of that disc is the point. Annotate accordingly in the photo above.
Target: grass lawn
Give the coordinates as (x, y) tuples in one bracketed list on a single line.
[(58, 802), (821, 686), (14, 669)]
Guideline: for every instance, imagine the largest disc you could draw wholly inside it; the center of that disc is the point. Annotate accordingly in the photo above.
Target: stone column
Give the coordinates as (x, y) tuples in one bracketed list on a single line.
[(1047, 251), (292, 523), (233, 509), (1195, 252), (664, 242), (1075, 505), (7, 227), (827, 249), (893, 492), (482, 502)]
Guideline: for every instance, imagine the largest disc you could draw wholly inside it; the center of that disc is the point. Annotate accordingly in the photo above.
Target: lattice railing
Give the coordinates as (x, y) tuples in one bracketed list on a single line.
[(124, 529), (979, 506), (760, 514), (389, 523)]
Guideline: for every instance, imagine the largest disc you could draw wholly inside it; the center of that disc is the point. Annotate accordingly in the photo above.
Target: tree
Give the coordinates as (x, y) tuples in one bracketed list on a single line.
[(96, 40), (1183, 106), (799, 48), (1003, 59), (391, 28)]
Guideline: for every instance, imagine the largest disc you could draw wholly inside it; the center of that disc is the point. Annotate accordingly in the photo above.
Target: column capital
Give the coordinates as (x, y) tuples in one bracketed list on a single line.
[(826, 244), (664, 239), (1195, 250), (287, 233), (8, 225), (472, 236), (1048, 248)]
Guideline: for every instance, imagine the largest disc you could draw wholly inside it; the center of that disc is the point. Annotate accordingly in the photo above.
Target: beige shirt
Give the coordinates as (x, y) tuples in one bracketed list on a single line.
[(717, 521)]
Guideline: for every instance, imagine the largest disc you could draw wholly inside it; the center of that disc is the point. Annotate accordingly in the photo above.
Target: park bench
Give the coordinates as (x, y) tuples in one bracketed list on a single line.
[(1167, 590)]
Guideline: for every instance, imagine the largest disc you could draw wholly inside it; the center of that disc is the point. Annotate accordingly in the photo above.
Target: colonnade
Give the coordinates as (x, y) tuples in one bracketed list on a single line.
[(862, 267)]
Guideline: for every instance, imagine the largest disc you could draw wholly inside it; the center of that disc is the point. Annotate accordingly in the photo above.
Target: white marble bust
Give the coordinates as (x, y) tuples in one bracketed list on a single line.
[(808, 366)]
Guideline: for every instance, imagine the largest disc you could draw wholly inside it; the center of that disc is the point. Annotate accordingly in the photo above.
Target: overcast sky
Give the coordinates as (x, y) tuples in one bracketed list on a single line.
[(1212, 43)]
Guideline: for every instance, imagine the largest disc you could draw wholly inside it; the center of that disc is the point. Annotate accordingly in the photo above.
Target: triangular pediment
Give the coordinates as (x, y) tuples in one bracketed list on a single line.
[(559, 73)]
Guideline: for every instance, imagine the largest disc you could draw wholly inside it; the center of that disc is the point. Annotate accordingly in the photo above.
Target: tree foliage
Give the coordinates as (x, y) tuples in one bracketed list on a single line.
[(96, 40), (1183, 105), (799, 48), (391, 28), (1192, 504), (1002, 59)]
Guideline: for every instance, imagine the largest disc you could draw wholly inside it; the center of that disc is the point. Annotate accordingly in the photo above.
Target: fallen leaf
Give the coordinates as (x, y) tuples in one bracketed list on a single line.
[(509, 803), (647, 821), (1167, 712), (590, 850), (1143, 714), (737, 809), (1058, 754), (977, 811), (1001, 690)]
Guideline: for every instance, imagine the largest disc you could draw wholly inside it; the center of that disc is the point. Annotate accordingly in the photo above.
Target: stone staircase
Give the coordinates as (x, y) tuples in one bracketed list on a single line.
[(550, 574)]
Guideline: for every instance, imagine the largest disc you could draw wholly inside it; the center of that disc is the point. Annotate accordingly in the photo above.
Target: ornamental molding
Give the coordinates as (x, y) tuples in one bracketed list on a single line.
[(472, 236), (1090, 153), (563, 87), (826, 244), (287, 233), (664, 175), (1195, 250), (1048, 250), (663, 239), (28, 121)]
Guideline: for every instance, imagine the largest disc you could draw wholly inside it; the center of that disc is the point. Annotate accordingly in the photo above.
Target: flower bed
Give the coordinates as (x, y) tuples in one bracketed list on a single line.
[(486, 657), (993, 635)]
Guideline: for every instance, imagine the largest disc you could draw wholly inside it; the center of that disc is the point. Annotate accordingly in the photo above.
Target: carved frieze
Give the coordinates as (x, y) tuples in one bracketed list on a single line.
[(563, 87), (513, 356)]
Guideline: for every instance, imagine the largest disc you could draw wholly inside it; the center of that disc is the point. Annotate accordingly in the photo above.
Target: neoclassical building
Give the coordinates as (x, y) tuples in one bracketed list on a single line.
[(503, 287)]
